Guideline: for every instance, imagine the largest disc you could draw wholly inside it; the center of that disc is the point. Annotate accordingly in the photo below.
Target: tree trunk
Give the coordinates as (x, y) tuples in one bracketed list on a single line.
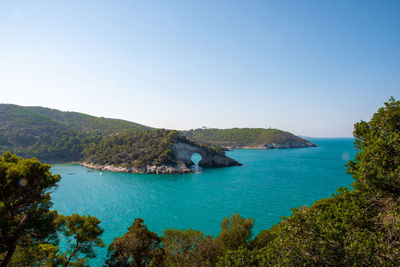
[(13, 246), (9, 254), (72, 254)]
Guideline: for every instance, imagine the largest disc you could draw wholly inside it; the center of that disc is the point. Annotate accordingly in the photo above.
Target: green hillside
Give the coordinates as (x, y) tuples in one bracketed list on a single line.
[(52, 135), (86, 123), (135, 148), (247, 137)]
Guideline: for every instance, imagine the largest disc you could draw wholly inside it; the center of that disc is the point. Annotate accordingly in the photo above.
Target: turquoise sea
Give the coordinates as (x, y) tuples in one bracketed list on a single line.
[(266, 187)]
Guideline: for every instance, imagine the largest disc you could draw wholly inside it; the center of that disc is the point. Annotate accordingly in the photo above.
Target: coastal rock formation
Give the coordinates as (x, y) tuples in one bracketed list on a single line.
[(183, 153), (210, 158), (290, 144), (152, 151), (302, 144), (162, 169)]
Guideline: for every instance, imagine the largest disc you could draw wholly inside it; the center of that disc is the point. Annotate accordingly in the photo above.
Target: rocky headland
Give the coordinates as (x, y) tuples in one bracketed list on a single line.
[(247, 138), (182, 152), (302, 144)]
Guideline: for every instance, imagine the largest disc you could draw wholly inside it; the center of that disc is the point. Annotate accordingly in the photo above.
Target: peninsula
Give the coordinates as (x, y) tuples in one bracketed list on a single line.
[(155, 151), (247, 138)]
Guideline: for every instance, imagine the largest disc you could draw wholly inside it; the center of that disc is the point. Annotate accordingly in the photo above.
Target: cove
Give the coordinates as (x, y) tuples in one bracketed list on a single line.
[(266, 187)]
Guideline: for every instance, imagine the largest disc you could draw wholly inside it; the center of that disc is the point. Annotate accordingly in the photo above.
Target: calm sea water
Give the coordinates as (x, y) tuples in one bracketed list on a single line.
[(266, 187)]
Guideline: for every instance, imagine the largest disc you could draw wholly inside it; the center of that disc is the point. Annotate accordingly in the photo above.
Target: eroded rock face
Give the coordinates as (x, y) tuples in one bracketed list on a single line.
[(184, 152), (162, 169), (305, 143)]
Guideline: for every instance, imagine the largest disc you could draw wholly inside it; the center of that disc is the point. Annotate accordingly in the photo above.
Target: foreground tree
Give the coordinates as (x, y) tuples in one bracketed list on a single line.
[(238, 258), (25, 216), (38, 255), (137, 247), (29, 229), (188, 248), (83, 234), (235, 232), (353, 227), (377, 166)]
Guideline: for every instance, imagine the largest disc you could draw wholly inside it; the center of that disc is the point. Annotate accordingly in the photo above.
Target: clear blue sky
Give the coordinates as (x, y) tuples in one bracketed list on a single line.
[(309, 67)]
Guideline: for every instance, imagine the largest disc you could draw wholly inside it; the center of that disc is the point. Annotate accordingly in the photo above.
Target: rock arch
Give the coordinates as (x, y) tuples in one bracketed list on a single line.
[(210, 158), (196, 157)]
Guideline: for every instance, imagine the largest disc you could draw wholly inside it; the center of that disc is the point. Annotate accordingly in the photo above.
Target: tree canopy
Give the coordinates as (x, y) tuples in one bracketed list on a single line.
[(138, 247), (25, 202), (29, 228)]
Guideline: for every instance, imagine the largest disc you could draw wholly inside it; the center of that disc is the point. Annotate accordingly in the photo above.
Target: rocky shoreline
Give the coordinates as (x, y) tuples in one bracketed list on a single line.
[(275, 146), (162, 169)]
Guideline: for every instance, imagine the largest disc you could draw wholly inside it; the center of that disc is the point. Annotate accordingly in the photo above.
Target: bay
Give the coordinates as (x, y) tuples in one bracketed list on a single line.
[(268, 185)]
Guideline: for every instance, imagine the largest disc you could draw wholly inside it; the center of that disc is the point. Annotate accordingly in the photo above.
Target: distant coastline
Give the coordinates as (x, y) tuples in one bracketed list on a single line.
[(271, 146)]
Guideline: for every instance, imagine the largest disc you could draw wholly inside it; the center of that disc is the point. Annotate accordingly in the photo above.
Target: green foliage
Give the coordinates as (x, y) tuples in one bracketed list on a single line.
[(140, 247), (263, 238), (238, 258), (377, 165), (137, 247), (38, 255), (28, 228), (339, 231), (235, 232), (25, 216), (83, 234), (188, 248), (135, 148), (52, 135), (243, 137), (351, 228)]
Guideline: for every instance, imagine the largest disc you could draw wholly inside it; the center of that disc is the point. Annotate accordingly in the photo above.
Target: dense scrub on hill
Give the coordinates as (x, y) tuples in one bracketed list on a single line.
[(245, 137), (52, 135), (138, 149), (135, 148)]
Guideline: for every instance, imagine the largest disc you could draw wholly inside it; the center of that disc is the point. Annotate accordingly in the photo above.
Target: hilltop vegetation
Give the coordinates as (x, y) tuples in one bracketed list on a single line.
[(247, 137), (78, 122), (135, 148), (52, 135)]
